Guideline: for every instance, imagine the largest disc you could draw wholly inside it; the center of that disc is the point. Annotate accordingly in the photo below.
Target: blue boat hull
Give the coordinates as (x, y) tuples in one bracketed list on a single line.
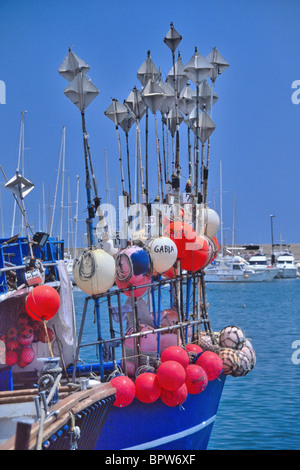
[(158, 427)]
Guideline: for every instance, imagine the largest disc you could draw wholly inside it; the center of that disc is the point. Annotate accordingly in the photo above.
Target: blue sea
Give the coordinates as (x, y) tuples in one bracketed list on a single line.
[(260, 411)]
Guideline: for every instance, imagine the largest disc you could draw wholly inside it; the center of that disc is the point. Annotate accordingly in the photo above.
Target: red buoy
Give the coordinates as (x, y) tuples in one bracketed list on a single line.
[(27, 354), (170, 375), (196, 379), (42, 302), (174, 398), (193, 348), (147, 388), (125, 390), (11, 358), (197, 254), (175, 353), (211, 363), (12, 345), (42, 337), (182, 234), (25, 335)]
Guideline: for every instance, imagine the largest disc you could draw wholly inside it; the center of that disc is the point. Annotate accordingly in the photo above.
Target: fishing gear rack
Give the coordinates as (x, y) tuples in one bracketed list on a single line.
[(187, 295)]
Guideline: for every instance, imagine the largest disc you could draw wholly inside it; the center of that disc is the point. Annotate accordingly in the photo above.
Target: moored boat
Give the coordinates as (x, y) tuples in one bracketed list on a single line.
[(229, 268), (285, 262), (259, 262)]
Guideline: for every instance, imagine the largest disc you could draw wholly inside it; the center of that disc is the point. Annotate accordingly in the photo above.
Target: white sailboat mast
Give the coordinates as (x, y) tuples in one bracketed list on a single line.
[(62, 182), (20, 162)]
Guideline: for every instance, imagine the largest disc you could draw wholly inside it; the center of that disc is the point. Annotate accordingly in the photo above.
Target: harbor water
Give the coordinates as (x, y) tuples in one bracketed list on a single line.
[(261, 410)]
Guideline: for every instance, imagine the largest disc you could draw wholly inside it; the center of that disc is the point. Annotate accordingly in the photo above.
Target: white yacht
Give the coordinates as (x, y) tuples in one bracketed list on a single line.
[(233, 269), (259, 262), (286, 265)]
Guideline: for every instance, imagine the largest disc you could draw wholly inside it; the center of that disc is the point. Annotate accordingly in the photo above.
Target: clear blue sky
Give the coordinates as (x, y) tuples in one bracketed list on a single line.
[(257, 134)]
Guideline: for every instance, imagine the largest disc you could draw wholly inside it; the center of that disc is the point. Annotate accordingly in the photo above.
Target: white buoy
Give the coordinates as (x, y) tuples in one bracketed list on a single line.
[(94, 271), (109, 247), (211, 222), (163, 253)]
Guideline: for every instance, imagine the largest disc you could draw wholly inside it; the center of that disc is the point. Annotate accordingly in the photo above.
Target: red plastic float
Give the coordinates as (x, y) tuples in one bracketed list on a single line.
[(125, 390), (171, 375), (211, 363), (196, 379), (42, 303), (147, 388), (174, 398), (175, 353)]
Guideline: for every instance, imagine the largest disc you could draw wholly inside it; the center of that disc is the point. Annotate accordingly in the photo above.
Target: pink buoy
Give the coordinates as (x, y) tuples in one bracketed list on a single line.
[(27, 355), (135, 281), (148, 342), (169, 317), (167, 340)]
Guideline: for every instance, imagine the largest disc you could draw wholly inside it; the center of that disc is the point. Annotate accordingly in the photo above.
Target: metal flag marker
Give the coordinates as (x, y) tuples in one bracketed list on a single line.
[(153, 96), (186, 104), (137, 106), (81, 91), (117, 112), (167, 104), (207, 97), (197, 69), (178, 75), (72, 65), (20, 187), (219, 66), (146, 72), (172, 40), (126, 125)]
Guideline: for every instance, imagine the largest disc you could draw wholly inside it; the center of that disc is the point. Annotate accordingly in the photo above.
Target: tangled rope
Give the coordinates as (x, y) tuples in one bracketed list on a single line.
[(47, 381)]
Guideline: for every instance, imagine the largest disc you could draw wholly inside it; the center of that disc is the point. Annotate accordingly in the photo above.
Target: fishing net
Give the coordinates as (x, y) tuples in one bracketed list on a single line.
[(232, 337)]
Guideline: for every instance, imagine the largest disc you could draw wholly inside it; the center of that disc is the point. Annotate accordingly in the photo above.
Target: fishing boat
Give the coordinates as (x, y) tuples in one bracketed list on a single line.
[(157, 377), (37, 322)]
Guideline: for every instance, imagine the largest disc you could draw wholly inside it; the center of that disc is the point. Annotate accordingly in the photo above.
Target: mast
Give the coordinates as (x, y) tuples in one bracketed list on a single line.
[(81, 91), (20, 166), (62, 184), (76, 216), (221, 209)]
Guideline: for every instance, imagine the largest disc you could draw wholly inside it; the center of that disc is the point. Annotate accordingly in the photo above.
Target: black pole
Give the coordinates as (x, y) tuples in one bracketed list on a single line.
[(272, 252)]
